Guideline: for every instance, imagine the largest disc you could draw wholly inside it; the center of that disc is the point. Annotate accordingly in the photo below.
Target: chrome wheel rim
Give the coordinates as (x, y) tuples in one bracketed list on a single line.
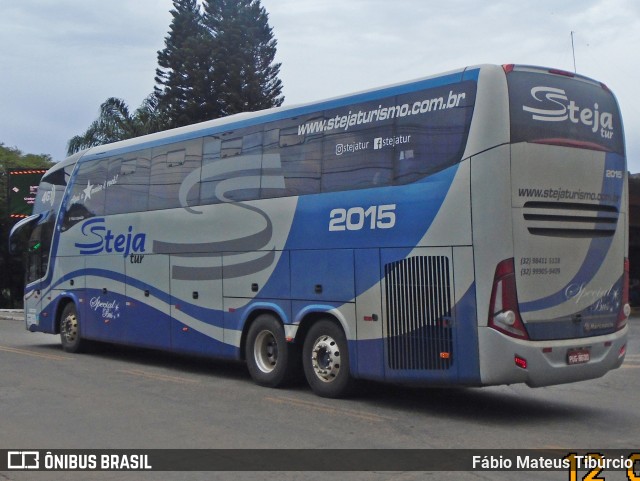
[(325, 358), (70, 328), (265, 351)]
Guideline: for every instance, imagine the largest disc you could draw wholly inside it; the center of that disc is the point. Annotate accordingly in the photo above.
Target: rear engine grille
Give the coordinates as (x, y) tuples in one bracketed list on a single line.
[(419, 332), (568, 219)]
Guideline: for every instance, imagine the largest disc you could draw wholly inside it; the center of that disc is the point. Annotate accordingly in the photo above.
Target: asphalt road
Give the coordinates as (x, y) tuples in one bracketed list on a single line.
[(118, 397)]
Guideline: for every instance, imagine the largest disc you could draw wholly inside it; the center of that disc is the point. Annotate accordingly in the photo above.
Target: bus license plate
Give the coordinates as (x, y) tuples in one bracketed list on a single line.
[(578, 356)]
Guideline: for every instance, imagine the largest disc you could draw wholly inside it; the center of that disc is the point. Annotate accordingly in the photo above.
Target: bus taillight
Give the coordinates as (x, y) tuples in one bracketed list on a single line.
[(564, 73), (625, 308), (504, 314)]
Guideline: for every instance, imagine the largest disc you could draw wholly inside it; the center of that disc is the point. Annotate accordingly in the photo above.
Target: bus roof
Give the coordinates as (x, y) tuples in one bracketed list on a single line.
[(248, 118), (211, 127)]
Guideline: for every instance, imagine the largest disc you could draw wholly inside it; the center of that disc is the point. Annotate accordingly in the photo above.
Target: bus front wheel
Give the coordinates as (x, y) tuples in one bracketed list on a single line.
[(325, 359), (270, 359), (70, 329)]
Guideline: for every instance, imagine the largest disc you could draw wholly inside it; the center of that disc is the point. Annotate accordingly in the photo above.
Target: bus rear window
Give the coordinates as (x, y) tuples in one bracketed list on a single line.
[(561, 110)]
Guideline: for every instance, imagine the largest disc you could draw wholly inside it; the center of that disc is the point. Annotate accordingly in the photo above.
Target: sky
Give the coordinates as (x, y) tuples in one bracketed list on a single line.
[(60, 59)]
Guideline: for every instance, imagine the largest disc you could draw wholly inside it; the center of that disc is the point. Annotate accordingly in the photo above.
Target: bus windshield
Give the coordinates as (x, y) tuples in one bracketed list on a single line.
[(37, 230)]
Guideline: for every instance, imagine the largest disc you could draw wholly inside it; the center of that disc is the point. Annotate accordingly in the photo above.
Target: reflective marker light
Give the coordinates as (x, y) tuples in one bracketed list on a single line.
[(520, 361)]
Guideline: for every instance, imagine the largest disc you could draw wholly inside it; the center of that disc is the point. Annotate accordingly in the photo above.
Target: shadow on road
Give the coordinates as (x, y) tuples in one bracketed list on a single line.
[(502, 405)]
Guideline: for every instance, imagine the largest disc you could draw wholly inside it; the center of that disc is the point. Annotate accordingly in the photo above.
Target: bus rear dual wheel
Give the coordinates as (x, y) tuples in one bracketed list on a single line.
[(273, 362), (325, 360)]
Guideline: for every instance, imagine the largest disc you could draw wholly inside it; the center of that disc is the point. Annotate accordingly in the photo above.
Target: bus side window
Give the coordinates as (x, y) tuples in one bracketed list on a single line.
[(170, 165), (358, 151), (33, 256), (128, 183), (38, 249), (88, 192), (429, 142), (291, 163), (351, 162), (211, 152), (113, 201), (232, 173)]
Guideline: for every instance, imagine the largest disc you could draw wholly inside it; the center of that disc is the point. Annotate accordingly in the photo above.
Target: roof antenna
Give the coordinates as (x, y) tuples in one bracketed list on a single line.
[(574, 53)]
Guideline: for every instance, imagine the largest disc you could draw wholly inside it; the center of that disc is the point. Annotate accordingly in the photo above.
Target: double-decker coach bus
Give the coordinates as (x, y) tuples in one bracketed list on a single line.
[(464, 229)]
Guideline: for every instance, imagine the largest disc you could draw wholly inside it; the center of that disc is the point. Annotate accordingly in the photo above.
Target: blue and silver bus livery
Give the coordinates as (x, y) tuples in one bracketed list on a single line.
[(464, 229)]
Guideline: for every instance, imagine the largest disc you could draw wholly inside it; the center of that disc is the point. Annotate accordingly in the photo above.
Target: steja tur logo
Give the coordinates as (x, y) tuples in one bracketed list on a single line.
[(555, 106)]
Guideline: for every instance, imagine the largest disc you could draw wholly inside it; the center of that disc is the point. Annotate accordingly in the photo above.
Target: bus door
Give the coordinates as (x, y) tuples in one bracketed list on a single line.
[(33, 263), (38, 230), (33, 293)]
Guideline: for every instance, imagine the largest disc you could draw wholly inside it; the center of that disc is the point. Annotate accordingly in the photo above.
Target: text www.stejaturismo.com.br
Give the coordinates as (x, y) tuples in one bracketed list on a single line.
[(567, 194)]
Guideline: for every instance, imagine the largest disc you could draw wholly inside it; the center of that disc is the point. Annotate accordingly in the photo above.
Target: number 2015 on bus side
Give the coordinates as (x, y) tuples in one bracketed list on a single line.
[(359, 218)]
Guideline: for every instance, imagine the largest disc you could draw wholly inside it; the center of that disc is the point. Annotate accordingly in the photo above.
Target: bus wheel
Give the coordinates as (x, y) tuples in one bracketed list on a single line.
[(270, 358), (325, 359), (70, 329)]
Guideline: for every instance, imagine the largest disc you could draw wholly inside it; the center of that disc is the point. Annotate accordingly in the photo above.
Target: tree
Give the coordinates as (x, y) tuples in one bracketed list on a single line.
[(115, 122), (215, 63), (183, 88), (12, 158), (12, 273), (243, 51)]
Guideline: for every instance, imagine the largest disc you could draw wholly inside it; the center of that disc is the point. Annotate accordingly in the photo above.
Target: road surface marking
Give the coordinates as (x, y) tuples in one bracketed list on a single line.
[(329, 409), (158, 377), (41, 355)]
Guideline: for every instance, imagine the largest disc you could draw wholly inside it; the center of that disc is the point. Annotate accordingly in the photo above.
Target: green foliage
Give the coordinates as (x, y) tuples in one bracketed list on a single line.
[(116, 122), (185, 92), (10, 266), (216, 62), (243, 49), (12, 158)]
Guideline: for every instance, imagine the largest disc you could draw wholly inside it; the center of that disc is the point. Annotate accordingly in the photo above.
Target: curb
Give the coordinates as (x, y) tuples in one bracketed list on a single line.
[(12, 314)]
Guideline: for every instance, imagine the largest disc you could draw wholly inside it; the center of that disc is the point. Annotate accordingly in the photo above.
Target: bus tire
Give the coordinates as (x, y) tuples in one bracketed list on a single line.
[(70, 337), (270, 359), (325, 359)]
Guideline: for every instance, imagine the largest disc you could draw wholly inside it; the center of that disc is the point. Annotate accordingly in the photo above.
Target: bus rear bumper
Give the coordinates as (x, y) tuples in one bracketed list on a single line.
[(505, 360)]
